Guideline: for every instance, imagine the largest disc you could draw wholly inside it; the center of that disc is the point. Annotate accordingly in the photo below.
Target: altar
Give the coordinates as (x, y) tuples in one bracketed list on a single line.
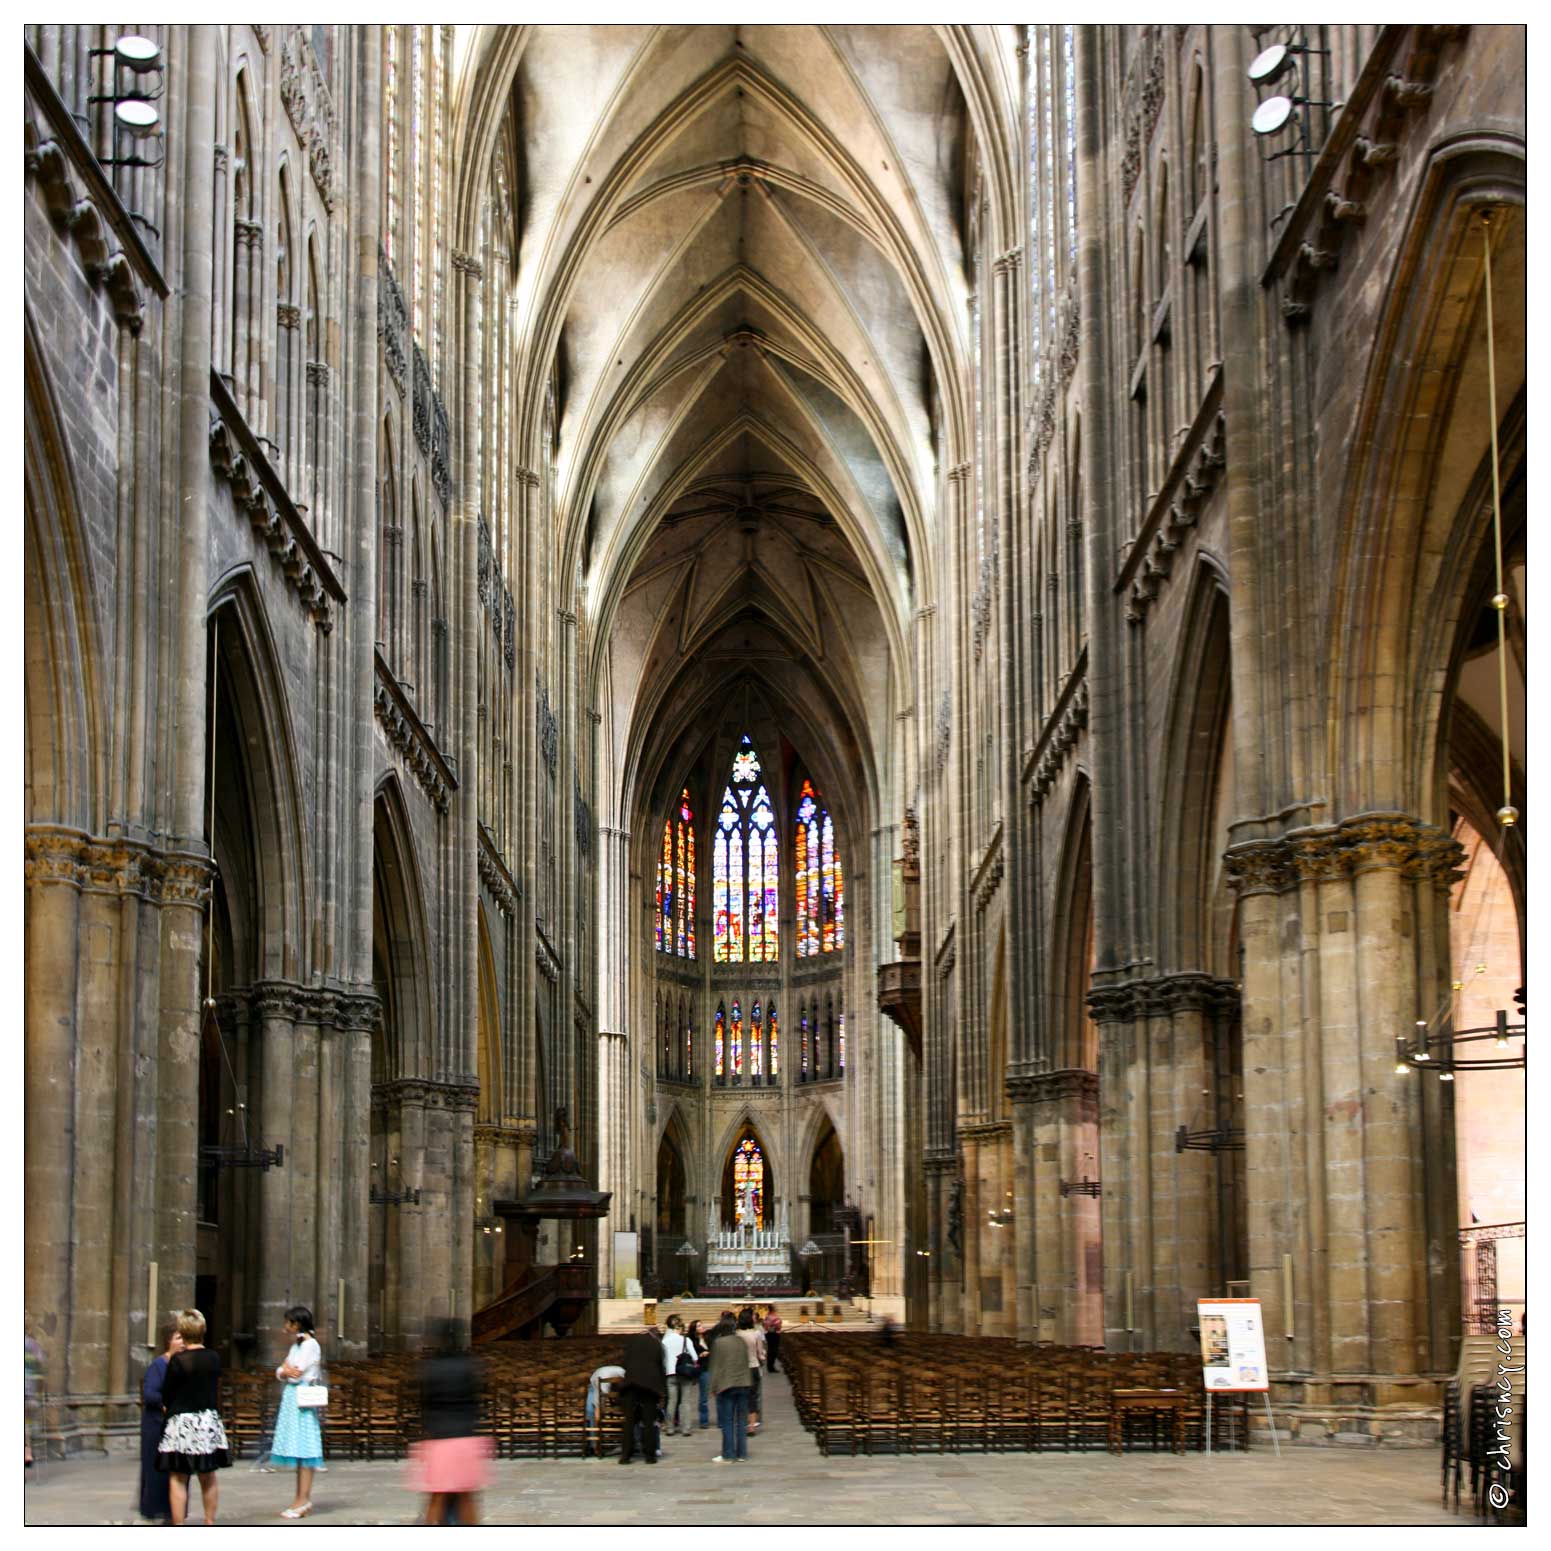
[(748, 1258)]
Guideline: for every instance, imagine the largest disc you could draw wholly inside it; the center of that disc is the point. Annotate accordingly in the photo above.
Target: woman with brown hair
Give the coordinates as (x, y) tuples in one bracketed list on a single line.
[(193, 1443), (155, 1501)]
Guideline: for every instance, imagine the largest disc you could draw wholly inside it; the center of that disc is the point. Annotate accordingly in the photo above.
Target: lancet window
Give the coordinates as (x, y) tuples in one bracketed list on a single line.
[(747, 867), (748, 1168), (820, 883), (675, 930)]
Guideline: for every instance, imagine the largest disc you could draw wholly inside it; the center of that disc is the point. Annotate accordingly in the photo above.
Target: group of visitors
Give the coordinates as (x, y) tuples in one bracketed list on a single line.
[(181, 1432), (182, 1435), (666, 1372), (667, 1377)]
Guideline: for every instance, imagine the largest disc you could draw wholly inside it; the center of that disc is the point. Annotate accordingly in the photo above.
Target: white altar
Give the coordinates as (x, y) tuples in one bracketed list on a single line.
[(746, 1257)]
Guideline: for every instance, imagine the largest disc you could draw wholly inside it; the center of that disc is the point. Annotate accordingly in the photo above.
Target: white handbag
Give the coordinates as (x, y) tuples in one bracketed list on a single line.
[(312, 1397)]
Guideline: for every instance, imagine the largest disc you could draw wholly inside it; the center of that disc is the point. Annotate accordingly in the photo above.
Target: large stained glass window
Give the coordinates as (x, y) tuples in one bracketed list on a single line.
[(665, 891), (737, 1042), (756, 1041), (676, 883), (721, 1041), (748, 1168), (775, 1041), (820, 883), (746, 867)]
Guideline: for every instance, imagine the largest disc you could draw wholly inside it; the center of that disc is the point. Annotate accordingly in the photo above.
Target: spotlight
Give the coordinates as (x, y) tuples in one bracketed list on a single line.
[(142, 55), (137, 117), (1270, 64), (1445, 1076), (1272, 116)]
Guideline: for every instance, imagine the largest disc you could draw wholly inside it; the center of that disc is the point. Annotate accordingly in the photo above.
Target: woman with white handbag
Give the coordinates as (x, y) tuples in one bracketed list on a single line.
[(298, 1432)]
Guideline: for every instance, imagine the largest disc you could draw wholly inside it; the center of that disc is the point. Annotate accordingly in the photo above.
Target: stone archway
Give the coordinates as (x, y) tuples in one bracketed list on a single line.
[(740, 1163), (404, 1116), (826, 1181), (672, 1189)]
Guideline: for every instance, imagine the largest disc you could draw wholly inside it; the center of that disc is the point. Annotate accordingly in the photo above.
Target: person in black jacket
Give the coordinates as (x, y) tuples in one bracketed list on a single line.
[(642, 1390)]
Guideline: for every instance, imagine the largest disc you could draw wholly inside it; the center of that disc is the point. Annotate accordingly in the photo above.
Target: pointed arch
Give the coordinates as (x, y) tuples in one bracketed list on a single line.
[(490, 1061), (745, 1150), (1195, 736), (252, 689), (746, 1122), (1074, 1042), (400, 934), (63, 688), (746, 866), (1407, 564)]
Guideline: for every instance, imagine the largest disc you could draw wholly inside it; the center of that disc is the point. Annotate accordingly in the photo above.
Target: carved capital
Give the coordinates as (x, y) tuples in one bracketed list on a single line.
[(1258, 867), (288, 315), (183, 878), (55, 856), (279, 999)]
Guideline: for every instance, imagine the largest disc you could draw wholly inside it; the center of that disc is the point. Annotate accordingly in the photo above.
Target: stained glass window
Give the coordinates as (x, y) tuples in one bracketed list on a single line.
[(775, 1042), (820, 885), (756, 1041), (676, 883), (840, 1035), (737, 1041), (721, 1041), (804, 1020), (689, 1047), (748, 1168), (665, 891), (746, 867), (687, 892)]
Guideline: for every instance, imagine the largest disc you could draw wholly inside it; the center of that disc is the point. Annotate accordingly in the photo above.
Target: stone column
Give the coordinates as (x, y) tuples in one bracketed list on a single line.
[(1345, 985), (95, 1063), (184, 884), (54, 877), (329, 1188), (278, 1007), (359, 1015), (1123, 1140)]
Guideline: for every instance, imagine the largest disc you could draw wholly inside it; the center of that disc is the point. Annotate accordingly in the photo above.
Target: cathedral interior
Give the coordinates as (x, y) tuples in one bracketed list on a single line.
[(899, 646)]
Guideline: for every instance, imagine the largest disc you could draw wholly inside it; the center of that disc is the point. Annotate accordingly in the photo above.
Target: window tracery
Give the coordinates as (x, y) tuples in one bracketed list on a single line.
[(746, 867), (820, 881), (675, 913)]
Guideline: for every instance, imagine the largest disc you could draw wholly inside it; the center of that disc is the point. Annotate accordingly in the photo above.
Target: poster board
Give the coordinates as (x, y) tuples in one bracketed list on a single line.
[(627, 1247), (1233, 1345)]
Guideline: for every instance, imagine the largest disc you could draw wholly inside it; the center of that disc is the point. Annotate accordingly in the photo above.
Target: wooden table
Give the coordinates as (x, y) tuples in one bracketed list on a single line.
[(1122, 1402)]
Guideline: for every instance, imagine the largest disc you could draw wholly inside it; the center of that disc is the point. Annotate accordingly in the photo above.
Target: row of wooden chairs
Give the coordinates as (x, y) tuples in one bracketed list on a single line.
[(533, 1403), (950, 1394)]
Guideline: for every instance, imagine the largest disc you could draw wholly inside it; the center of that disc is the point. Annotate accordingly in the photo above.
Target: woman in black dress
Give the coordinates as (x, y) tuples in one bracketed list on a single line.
[(194, 1441), (155, 1503)]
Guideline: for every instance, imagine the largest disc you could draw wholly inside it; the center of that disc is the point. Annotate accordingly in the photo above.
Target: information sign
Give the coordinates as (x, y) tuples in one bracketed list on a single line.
[(1233, 1345)]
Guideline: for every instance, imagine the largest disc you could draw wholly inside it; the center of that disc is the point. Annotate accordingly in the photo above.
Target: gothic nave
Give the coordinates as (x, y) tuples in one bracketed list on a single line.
[(885, 659)]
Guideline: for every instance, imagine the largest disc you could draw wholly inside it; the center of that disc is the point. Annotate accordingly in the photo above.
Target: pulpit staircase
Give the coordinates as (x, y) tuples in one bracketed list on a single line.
[(556, 1293)]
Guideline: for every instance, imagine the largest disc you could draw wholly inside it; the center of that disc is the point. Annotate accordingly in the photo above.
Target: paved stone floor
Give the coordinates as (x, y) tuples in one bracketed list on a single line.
[(787, 1481)]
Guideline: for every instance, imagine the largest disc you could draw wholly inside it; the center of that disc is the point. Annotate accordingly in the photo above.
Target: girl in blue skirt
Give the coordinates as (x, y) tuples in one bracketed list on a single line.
[(298, 1434)]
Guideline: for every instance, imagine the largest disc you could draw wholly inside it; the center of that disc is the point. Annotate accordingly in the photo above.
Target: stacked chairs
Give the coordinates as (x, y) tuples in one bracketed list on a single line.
[(247, 1401), (954, 1394)]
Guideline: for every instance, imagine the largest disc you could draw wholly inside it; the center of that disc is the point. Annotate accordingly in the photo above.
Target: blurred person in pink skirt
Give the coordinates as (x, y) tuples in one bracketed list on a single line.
[(452, 1460)]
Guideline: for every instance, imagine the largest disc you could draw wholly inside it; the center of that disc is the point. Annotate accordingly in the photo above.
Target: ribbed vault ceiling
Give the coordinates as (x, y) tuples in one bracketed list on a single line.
[(741, 263)]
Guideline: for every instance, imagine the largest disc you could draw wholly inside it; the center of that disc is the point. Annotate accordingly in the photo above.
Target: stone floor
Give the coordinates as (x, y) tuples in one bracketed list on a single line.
[(787, 1481)]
